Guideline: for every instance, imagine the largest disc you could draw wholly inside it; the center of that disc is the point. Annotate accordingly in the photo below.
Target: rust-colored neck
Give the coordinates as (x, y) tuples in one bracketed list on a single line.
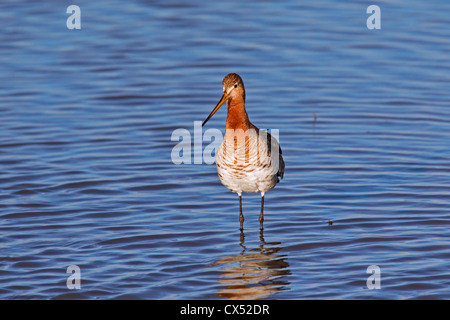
[(237, 117)]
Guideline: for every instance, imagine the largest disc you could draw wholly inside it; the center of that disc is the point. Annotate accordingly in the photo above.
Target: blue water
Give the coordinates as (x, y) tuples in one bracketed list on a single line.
[(87, 179)]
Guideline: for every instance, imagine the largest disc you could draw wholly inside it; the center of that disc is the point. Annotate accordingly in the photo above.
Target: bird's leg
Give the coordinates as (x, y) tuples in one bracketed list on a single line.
[(241, 216), (242, 238), (261, 216)]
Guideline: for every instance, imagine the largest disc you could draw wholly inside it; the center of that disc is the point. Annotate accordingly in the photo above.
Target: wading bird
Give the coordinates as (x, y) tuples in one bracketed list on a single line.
[(249, 159)]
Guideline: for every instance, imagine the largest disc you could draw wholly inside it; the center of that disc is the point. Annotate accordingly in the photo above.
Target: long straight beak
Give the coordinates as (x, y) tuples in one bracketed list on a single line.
[(222, 100)]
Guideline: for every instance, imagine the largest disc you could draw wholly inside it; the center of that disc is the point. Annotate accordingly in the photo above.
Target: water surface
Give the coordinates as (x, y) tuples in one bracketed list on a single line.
[(86, 176)]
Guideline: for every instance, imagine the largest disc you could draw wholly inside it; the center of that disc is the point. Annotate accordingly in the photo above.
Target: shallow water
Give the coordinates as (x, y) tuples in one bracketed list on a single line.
[(86, 176)]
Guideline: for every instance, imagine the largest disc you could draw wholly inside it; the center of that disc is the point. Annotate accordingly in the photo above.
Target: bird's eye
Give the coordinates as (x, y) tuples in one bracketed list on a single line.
[(235, 85)]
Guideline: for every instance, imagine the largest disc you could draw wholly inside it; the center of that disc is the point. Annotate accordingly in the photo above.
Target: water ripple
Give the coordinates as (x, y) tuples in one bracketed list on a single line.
[(86, 176)]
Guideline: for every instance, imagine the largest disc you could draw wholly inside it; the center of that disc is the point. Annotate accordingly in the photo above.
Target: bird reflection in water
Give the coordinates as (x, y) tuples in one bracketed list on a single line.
[(254, 273)]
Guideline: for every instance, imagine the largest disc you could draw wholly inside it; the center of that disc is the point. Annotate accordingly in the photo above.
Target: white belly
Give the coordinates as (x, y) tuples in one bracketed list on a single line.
[(247, 166)]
